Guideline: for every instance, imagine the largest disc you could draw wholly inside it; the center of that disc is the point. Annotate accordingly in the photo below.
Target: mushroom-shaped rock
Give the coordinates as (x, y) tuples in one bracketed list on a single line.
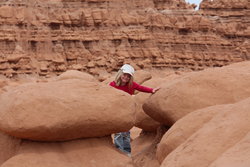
[(64, 110), (183, 129), (143, 120), (199, 90), (93, 152), (208, 143), (74, 74)]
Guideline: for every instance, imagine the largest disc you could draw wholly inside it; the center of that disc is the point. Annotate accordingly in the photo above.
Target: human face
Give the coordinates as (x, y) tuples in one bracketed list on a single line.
[(125, 78)]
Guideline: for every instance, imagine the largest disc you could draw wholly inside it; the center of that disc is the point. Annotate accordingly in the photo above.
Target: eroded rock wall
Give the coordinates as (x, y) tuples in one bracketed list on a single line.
[(232, 18), (44, 37)]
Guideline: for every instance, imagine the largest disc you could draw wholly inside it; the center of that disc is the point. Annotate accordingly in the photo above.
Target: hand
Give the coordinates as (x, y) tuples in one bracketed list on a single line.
[(156, 89)]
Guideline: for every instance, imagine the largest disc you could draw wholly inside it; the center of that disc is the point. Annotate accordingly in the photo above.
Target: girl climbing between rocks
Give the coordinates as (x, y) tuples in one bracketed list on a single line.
[(124, 81)]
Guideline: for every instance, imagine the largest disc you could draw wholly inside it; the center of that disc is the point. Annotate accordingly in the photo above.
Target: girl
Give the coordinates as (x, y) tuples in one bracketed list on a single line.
[(124, 81)]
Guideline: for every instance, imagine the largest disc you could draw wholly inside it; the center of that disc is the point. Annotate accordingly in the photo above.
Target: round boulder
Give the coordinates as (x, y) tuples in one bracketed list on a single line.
[(198, 90), (64, 110)]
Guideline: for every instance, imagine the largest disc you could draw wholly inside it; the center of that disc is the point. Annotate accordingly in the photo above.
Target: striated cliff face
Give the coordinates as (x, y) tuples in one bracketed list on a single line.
[(50, 36), (232, 21)]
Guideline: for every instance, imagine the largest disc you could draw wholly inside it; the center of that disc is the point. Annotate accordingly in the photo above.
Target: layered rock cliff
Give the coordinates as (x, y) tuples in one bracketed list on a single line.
[(44, 37), (232, 20)]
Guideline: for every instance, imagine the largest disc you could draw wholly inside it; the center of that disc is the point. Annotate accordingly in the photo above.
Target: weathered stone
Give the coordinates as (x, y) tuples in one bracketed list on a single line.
[(159, 34), (94, 152), (197, 90), (74, 74), (236, 155), (64, 110), (143, 148), (183, 129), (9, 146), (221, 134)]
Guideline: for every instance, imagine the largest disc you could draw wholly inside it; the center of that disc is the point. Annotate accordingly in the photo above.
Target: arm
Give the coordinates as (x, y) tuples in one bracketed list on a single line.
[(142, 88), (145, 89)]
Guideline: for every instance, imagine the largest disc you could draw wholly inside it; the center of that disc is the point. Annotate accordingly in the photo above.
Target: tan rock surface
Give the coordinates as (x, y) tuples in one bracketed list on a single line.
[(142, 76), (221, 133), (142, 120), (8, 146), (95, 152), (238, 155), (65, 110), (141, 142), (74, 74), (3, 83), (143, 150), (198, 90), (183, 129)]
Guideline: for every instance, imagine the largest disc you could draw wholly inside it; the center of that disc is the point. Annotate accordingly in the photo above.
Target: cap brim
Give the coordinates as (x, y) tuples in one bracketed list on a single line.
[(126, 72)]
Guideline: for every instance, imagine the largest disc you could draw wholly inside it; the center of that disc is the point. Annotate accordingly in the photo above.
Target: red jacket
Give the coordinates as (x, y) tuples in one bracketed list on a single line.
[(135, 86)]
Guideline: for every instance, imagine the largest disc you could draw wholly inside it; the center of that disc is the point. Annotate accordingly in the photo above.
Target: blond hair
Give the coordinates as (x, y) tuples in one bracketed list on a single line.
[(118, 81)]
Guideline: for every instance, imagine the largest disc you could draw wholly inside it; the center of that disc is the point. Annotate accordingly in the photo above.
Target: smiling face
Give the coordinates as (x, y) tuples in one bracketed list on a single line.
[(125, 78)]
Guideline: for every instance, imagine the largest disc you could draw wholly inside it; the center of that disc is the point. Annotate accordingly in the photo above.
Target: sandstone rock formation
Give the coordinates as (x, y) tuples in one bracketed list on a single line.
[(74, 74), (142, 76), (8, 146), (3, 83), (221, 135), (236, 155), (142, 120), (143, 150), (183, 129), (44, 37), (64, 110), (94, 152), (198, 90)]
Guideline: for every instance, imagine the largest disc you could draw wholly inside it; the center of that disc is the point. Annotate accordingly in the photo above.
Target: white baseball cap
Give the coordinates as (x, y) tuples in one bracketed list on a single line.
[(126, 68)]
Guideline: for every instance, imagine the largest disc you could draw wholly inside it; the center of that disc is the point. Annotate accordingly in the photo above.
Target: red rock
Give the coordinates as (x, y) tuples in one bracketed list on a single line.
[(95, 152), (142, 120), (183, 129), (238, 155), (215, 138), (141, 76), (199, 90), (158, 34), (143, 148), (64, 110), (8, 146), (74, 74)]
